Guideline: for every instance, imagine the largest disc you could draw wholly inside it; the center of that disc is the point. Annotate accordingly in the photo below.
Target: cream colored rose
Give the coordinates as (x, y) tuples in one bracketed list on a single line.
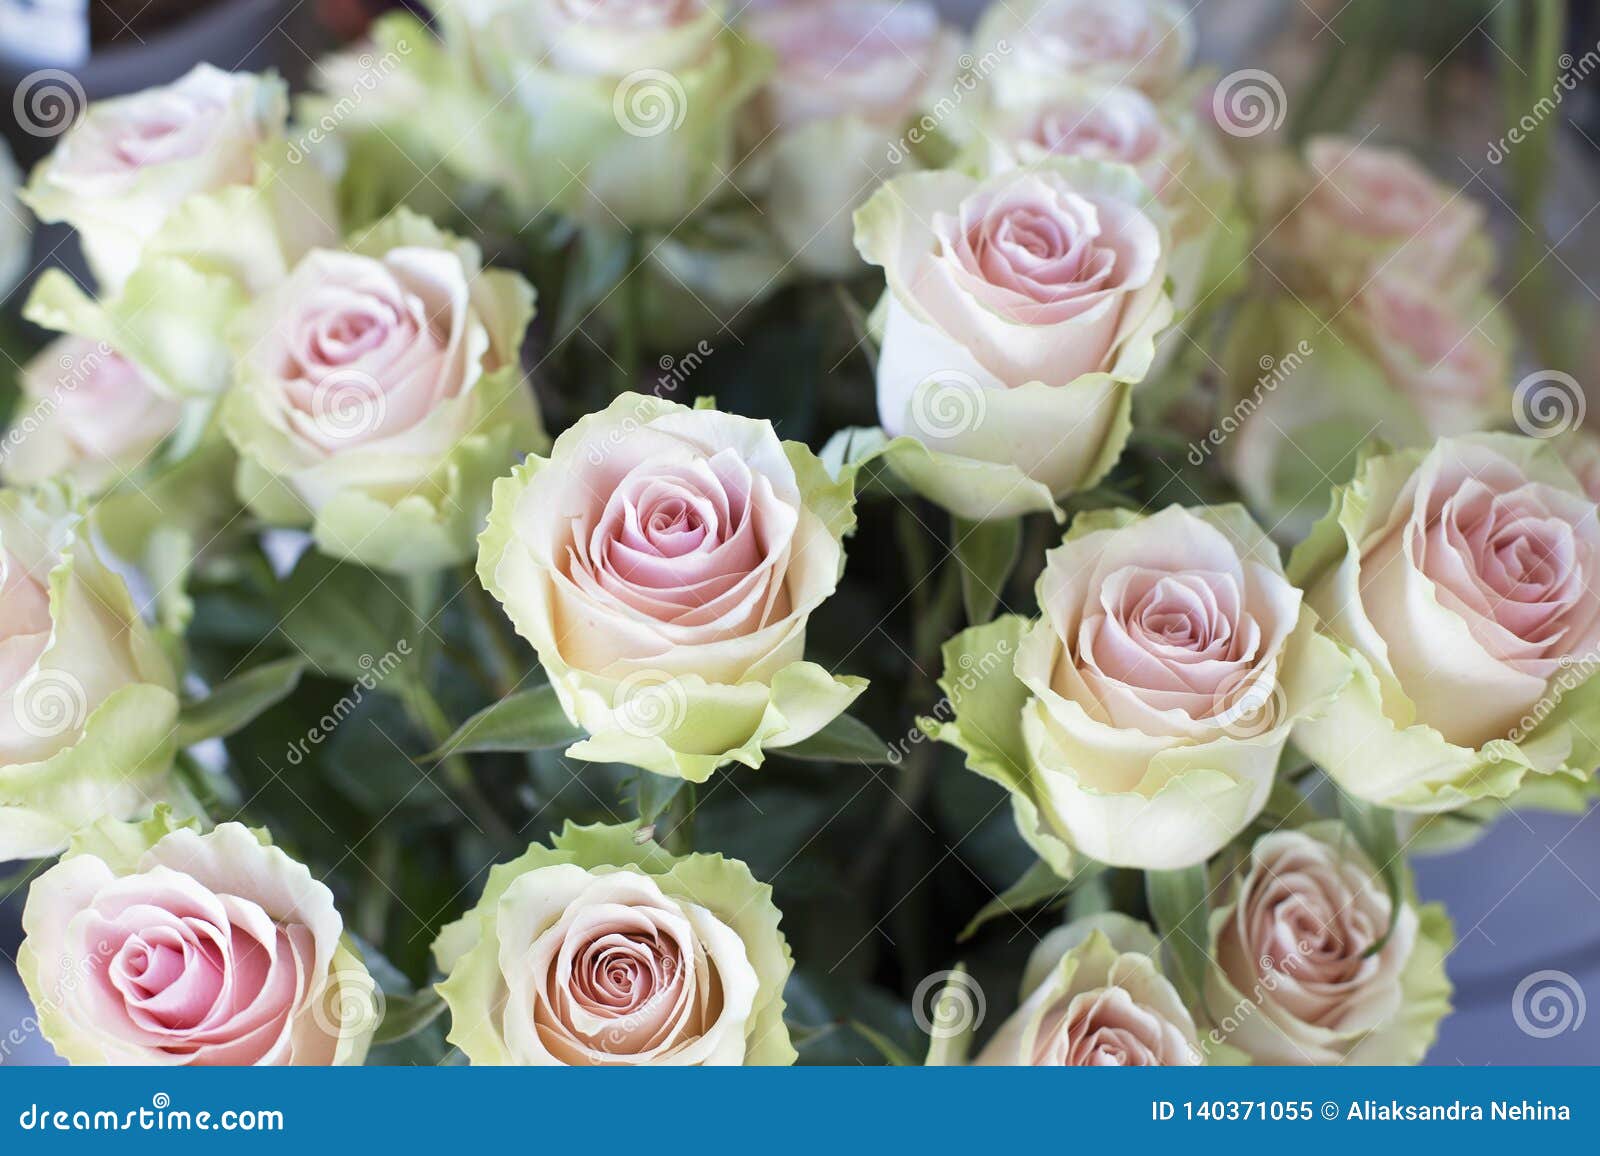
[(1020, 311), (85, 413), (664, 563), (379, 393), (148, 947), (1092, 996), (1295, 977), (1143, 43), (88, 700), (1155, 694), (1459, 581), (850, 77), (604, 950), (130, 163), (1356, 207)]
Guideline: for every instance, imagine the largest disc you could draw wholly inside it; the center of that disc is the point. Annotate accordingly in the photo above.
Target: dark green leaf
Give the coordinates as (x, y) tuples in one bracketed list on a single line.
[(844, 740), (1178, 902), (349, 622), (988, 552), (405, 1016), (653, 794), (530, 720), (1039, 885), (239, 701)]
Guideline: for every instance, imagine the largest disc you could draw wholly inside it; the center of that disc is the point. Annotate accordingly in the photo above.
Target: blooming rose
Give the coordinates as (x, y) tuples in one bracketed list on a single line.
[(1093, 996), (15, 235), (850, 76), (615, 109), (1358, 206), (1154, 695), (663, 562), (197, 235), (1020, 311), (1143, 43), (1580, 450), (150, 946), (130, 163), (86, 413), (1294, 977), (1175, 155), (380, 392), (87, 698), (1458, 581), (603, 950)]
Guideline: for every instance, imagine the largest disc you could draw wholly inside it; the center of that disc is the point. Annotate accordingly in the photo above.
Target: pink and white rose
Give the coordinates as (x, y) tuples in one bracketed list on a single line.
[(1459, 581), (85, 413), (380, 391), (1143, 43), (664, 563), (1021, 309), (148, 947), (130, 163), (1313, 963), (603, 949)]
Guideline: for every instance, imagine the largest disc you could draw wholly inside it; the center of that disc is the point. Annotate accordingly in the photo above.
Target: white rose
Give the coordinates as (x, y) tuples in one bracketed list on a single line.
[(121, 172), (85, 413), (1143, 43)]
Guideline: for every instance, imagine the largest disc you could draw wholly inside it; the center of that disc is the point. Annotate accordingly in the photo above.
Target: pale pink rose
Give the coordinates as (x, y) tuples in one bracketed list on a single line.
[(86, 413), (1363, 207), (1580, 450), (1168, 644), (1120, 125), (871, 59), (130, 162), (200, 950), (664, 562), (1450, 358), (1296, 939), (599, 37), (1144, 43), (1479, 588), (1094, 996)]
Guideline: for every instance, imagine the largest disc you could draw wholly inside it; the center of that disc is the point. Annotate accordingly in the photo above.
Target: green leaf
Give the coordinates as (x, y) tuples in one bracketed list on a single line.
[(988, 552), (1178, 903), (844, 740), (349, 622), (530, 720), (599, 262), (1039, 885), (405, 1016), (653, 794), (1376, 833), (233, 705), (890, 1050)]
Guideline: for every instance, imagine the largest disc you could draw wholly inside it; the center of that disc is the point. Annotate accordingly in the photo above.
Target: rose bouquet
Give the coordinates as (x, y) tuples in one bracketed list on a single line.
[(669, 532)]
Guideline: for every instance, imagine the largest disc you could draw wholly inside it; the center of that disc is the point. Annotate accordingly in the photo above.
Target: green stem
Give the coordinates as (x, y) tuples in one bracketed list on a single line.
[(372, 911), (428, 715), (507, 668), (630, 296)]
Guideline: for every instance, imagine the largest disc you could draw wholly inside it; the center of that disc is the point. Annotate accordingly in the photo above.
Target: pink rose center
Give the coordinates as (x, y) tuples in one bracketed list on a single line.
[(1102, 1028)]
